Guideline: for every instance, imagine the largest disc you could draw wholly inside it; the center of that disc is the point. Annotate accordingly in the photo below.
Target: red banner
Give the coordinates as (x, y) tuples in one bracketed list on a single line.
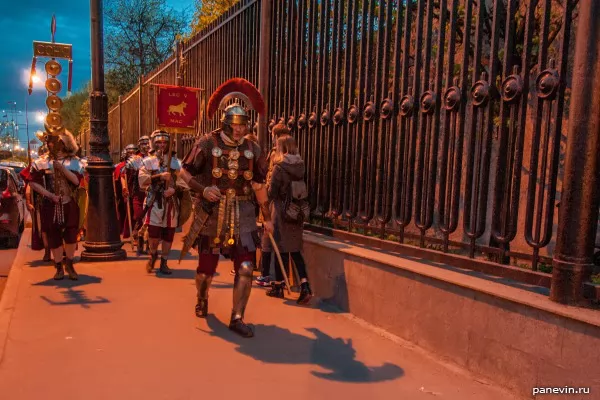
[(177, 108)]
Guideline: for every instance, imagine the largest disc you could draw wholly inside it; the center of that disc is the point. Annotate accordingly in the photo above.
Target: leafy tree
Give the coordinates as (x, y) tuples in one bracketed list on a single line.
[(76, 108), (71, 109), (207, 11), (140, 35), (84, 117)]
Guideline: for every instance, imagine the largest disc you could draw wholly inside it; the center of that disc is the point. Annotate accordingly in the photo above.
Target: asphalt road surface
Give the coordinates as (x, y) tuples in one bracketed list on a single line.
[(7, 256)]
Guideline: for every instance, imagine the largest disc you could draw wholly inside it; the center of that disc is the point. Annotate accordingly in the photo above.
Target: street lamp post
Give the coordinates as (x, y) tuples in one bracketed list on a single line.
[(103, 242)]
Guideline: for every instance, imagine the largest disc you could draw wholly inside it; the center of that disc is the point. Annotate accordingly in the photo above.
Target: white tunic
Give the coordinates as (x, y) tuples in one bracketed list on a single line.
[(155, 215)]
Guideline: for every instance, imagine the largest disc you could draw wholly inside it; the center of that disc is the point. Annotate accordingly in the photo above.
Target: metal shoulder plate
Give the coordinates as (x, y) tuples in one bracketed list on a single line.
[(135, 163), (73, 164), (175, 164), (41, 164), (256, 150), (151, 163)]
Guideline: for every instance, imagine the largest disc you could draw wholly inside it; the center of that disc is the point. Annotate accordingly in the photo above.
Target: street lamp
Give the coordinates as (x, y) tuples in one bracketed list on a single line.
[(103, 241)]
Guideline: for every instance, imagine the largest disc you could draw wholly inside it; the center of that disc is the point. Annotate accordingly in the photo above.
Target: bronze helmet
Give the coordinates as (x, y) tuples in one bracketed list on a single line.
[(234, 114), (159, 134)]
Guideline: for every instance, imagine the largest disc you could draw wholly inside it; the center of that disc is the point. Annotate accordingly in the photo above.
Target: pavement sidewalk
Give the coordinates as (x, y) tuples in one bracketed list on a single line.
[(120, 333)]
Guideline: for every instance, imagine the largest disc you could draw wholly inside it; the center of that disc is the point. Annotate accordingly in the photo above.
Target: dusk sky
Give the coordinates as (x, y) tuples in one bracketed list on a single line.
[(25, 21)]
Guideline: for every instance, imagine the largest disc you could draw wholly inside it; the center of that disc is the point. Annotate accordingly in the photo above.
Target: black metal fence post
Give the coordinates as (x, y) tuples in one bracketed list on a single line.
[(264, 66), (578, 217)]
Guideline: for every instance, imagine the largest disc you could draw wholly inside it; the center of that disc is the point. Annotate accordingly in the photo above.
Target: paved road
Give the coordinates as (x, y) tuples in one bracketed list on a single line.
[(119, 333), (7, 256)]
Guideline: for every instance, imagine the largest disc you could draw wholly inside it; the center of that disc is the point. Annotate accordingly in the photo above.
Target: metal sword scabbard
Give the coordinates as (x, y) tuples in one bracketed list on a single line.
[(201, 216)]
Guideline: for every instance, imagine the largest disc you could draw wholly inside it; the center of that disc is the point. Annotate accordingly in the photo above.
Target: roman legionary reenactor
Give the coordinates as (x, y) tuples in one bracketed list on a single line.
[(131, 150), (144, 146), (33, 200), (158, 177), (57, 179), (224, 170), (133, 191), (119, 201)]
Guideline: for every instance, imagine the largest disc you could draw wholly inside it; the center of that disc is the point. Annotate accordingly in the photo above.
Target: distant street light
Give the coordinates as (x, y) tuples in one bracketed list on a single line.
[(36, 81)]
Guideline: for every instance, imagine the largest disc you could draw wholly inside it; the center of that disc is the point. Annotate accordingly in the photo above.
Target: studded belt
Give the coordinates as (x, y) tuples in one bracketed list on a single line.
[(238, 197)]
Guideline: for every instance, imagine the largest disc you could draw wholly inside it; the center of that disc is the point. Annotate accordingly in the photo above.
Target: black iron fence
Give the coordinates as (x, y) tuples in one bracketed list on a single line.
[(435, 123), (439, 121), (225, 49)]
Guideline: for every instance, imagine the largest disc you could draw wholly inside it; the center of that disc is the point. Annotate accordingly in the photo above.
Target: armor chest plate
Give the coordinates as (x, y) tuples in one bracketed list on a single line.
[(57, 184), (232, 168), (49, 180)]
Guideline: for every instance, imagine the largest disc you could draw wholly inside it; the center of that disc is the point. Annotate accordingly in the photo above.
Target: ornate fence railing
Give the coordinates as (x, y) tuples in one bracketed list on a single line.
[(441, 124)]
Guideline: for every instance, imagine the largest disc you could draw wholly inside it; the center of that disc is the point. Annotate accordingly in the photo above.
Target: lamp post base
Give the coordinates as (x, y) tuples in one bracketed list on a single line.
[(103, 252), (103, 242)]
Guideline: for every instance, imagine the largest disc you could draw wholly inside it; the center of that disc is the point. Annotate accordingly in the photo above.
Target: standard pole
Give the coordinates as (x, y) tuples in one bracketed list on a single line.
[(27, 129), (141, 107), (578, 215), (120, 125), (103, 242)]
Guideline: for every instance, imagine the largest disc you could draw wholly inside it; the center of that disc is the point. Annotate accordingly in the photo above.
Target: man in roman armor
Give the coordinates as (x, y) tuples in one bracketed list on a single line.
[(132, 189), (57, 178), (119, 200), (158, 178), (144, 146), (33, 200), (224, 169), (131, 150)]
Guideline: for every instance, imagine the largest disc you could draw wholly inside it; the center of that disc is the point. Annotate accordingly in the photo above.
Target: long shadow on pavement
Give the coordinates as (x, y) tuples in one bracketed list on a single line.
[(273, 344), (176, 253), (177, 274), (71, 295), (40, 263)]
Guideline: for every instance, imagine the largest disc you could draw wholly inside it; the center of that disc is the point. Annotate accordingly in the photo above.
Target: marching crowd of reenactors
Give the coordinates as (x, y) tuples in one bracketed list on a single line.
[(226, 183)]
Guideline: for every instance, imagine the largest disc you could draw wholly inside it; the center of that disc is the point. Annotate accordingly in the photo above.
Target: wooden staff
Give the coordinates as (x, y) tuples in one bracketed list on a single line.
[(287, 283)]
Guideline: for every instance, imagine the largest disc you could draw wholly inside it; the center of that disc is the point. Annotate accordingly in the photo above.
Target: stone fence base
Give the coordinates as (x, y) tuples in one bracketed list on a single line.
[(500, 330)]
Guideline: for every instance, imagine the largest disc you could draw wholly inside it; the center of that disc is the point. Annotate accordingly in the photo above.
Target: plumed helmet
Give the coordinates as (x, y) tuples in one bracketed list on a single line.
[(226, 99), (132, 147), (63, 135), (143, 139), (68, 140)]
